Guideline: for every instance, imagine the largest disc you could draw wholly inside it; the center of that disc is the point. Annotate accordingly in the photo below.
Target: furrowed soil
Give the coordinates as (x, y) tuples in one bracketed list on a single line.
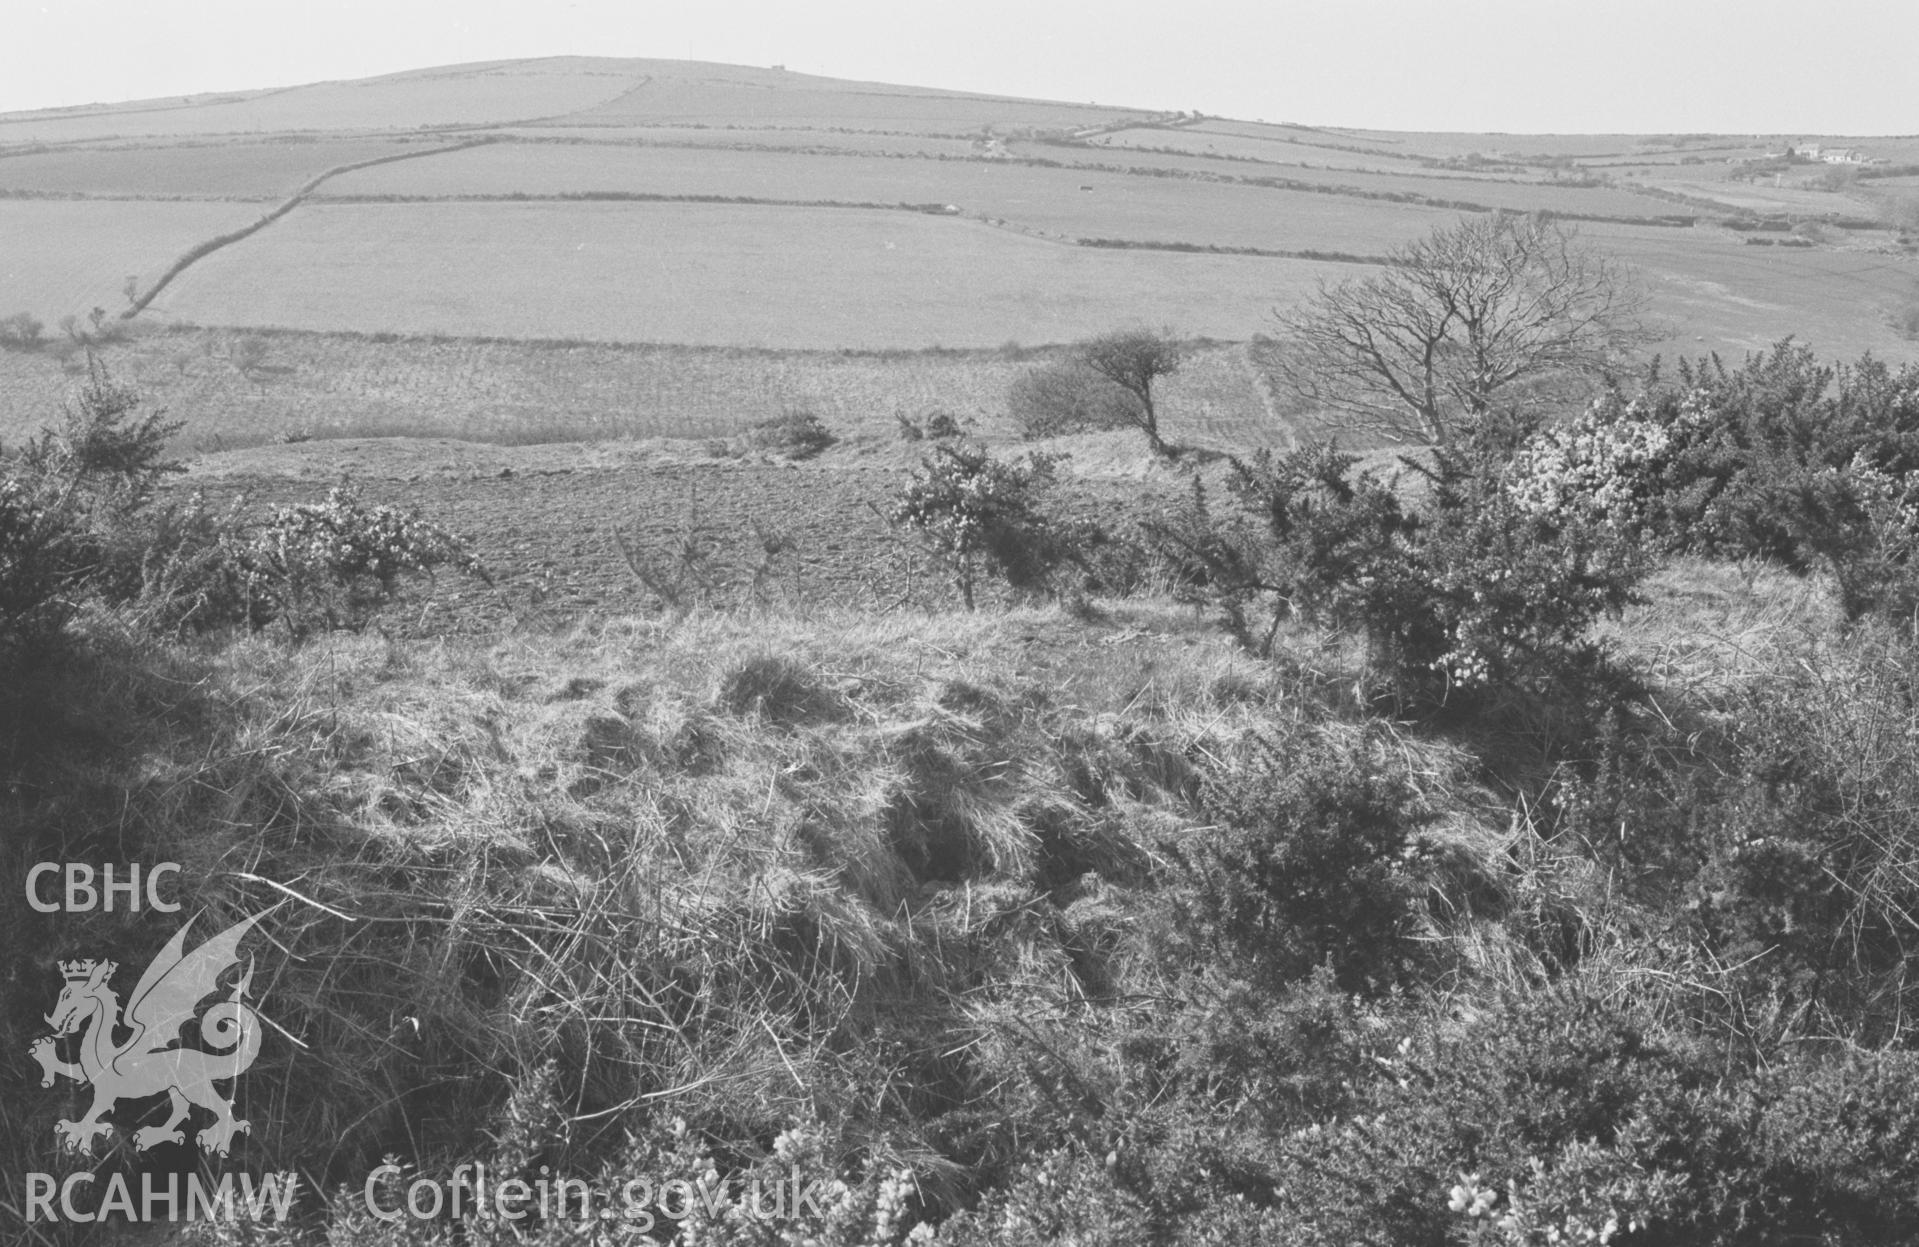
[(544, 521)]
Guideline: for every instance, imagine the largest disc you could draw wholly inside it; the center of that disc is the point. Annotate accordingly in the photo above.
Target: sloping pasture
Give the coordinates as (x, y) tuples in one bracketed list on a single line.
[(775, 97), (715, 274), (719, 137), (1711, 292), (1491, 190), (487, 94), (58, 258), (1063, 203), (207, 170), (1276, 148)]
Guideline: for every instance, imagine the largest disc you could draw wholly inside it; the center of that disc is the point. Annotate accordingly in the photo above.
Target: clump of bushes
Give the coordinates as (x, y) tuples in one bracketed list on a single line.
[(795, 434), (1479, 588), (80, 520), (22, 331), (1783, 458), (982, 517), (1309, 861), (1067, 396), (67, 500)]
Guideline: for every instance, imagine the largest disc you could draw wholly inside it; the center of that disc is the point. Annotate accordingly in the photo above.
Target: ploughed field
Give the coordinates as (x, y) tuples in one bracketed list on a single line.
[(549, 523), (603, 204)]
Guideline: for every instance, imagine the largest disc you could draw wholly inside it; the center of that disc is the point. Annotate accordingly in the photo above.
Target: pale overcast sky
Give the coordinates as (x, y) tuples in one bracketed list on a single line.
[(1740, 66)]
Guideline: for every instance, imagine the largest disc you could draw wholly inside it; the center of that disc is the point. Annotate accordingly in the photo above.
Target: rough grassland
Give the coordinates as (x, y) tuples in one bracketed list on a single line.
[(60, 258), (340, 386), (714, 275), (1063, 203), (225, 170)]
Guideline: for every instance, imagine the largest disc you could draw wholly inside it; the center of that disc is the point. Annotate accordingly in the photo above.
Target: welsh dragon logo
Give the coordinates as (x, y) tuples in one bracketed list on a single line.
[(150, 1061)]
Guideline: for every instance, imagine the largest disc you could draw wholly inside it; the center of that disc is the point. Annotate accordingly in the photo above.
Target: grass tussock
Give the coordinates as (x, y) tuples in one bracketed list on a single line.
[(760, 871)]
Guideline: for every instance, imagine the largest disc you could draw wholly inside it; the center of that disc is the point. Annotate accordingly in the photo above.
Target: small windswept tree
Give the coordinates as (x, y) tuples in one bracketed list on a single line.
[(1105, 382), (1133, 359), (1495, 312)]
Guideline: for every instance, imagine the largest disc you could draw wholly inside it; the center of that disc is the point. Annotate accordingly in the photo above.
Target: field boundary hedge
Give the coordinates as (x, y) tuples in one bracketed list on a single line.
[(202, 250)]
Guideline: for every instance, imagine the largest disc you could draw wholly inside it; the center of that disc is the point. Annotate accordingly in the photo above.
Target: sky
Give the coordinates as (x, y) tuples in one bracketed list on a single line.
[(1519, 66)]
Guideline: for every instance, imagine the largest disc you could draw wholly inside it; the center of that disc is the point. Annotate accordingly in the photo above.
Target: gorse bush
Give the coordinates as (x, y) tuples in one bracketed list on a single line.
[(80, 520), (334, 564), (66, 499), (1478, 589), (1783, 458), (1310, 865), (982, 516)]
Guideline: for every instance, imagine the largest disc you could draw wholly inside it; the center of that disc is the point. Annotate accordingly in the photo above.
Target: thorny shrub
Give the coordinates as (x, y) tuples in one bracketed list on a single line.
[(79, 519), (982, 516), (1488, 585), (1784, 458), (66, 497), (334, 564), (1308, 861)]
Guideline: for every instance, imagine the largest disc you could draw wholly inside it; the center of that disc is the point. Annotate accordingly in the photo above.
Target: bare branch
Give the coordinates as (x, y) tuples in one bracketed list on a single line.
[(1460, 322)]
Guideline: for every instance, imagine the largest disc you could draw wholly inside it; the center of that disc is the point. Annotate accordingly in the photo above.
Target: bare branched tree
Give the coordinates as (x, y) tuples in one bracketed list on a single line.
[(1496, 311)]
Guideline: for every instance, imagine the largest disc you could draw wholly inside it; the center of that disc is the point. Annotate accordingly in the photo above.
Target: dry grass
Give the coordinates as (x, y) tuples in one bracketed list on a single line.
[(749, 868), (1708, 628)]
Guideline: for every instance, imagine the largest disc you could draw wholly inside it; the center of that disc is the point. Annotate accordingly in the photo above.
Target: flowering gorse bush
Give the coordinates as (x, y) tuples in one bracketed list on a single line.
[(821, 1204), (1480, 587), (1598, 467), (1784, 459), (1588, 1197), (334, 564), (980, 515)]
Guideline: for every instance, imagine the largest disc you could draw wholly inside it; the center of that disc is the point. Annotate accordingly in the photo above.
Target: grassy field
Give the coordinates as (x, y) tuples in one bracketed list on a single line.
[(831, 262), (997, 188), (1713, 292), (59, 258), (1061, 203), (222, 170), (726, 94), (712, 275), (1277, 148), (775, 138)]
